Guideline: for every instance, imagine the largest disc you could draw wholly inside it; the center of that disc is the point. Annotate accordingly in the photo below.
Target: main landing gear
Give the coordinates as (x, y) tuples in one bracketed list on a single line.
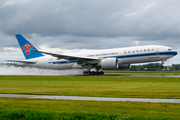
[(93, 73)]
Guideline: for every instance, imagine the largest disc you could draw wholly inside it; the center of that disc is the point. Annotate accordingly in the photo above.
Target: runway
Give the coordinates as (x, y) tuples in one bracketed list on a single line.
[(92, 98), (108, 75), (144, 75)]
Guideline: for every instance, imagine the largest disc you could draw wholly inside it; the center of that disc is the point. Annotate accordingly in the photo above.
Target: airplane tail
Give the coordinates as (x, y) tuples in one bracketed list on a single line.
[(26, 47)]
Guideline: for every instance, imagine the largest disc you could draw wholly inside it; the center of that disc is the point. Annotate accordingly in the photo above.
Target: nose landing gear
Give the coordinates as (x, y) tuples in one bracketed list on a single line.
[(162, 67), (162, 64)]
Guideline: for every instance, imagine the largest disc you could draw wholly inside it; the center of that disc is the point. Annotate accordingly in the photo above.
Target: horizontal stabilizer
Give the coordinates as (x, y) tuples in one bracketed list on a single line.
[(22, 61)]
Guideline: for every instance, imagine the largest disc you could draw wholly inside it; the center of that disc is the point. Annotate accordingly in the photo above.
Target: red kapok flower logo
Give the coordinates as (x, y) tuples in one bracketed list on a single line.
[(27, 48)]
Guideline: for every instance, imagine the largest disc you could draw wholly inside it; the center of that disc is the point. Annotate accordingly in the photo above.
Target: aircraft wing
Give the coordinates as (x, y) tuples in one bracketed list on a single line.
[(22, 61), (71, 58)]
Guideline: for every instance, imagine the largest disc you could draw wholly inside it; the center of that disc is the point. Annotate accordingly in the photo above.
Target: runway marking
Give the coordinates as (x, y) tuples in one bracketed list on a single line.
[(92, 98)]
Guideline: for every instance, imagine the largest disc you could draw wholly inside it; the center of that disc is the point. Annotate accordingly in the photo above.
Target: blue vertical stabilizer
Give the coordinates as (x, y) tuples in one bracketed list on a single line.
[(27, 47)]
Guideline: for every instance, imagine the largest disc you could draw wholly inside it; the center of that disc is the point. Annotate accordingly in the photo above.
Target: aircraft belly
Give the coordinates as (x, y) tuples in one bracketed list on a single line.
[(144, 59)]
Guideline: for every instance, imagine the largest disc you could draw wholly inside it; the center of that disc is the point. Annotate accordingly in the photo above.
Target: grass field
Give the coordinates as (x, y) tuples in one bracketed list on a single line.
[(129, 87), (132, 87), (37, 115), (142, 72), (135, 110)]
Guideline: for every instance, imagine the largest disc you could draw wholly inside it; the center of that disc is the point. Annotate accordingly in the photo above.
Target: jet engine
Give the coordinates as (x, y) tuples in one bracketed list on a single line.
[(109, 64)]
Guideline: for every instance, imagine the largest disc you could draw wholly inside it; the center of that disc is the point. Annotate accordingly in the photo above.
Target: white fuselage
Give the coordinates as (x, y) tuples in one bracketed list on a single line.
[(127, 55)]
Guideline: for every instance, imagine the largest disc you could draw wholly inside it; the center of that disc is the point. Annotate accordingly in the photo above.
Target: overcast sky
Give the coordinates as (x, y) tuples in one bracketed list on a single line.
[(64, 26)]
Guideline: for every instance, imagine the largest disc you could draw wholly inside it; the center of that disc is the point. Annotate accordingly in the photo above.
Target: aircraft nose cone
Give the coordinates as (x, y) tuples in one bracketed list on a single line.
[(175, 53)]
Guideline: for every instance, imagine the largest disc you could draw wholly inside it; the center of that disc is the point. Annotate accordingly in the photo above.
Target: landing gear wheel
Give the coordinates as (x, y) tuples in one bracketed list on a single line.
[(101, 73), (93, 73), (162, 64), (89, 73), (162, 67), (85, 73), (97, 73)]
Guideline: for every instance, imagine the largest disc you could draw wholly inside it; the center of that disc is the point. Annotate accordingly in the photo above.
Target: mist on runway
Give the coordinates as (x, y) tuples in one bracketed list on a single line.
[(12, 70)]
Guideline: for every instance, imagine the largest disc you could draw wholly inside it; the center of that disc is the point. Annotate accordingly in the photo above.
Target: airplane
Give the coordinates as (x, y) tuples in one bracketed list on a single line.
[(107, 59)]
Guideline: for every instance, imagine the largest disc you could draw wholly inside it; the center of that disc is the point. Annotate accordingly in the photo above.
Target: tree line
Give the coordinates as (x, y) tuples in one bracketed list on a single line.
[(154, 67)]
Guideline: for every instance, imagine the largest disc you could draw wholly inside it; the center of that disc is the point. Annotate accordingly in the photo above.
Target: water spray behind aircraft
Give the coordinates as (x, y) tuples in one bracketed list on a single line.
[(12, 70)]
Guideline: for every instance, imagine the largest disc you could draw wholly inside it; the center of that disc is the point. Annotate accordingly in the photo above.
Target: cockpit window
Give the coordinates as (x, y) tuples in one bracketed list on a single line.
[(169, 49)]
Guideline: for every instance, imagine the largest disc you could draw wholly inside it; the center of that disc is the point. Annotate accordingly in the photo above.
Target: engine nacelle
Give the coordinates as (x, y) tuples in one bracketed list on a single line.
[(124, 66), (109, 64)]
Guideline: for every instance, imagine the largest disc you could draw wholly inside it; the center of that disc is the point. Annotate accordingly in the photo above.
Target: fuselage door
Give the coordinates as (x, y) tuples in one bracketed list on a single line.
[(157, 51)]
